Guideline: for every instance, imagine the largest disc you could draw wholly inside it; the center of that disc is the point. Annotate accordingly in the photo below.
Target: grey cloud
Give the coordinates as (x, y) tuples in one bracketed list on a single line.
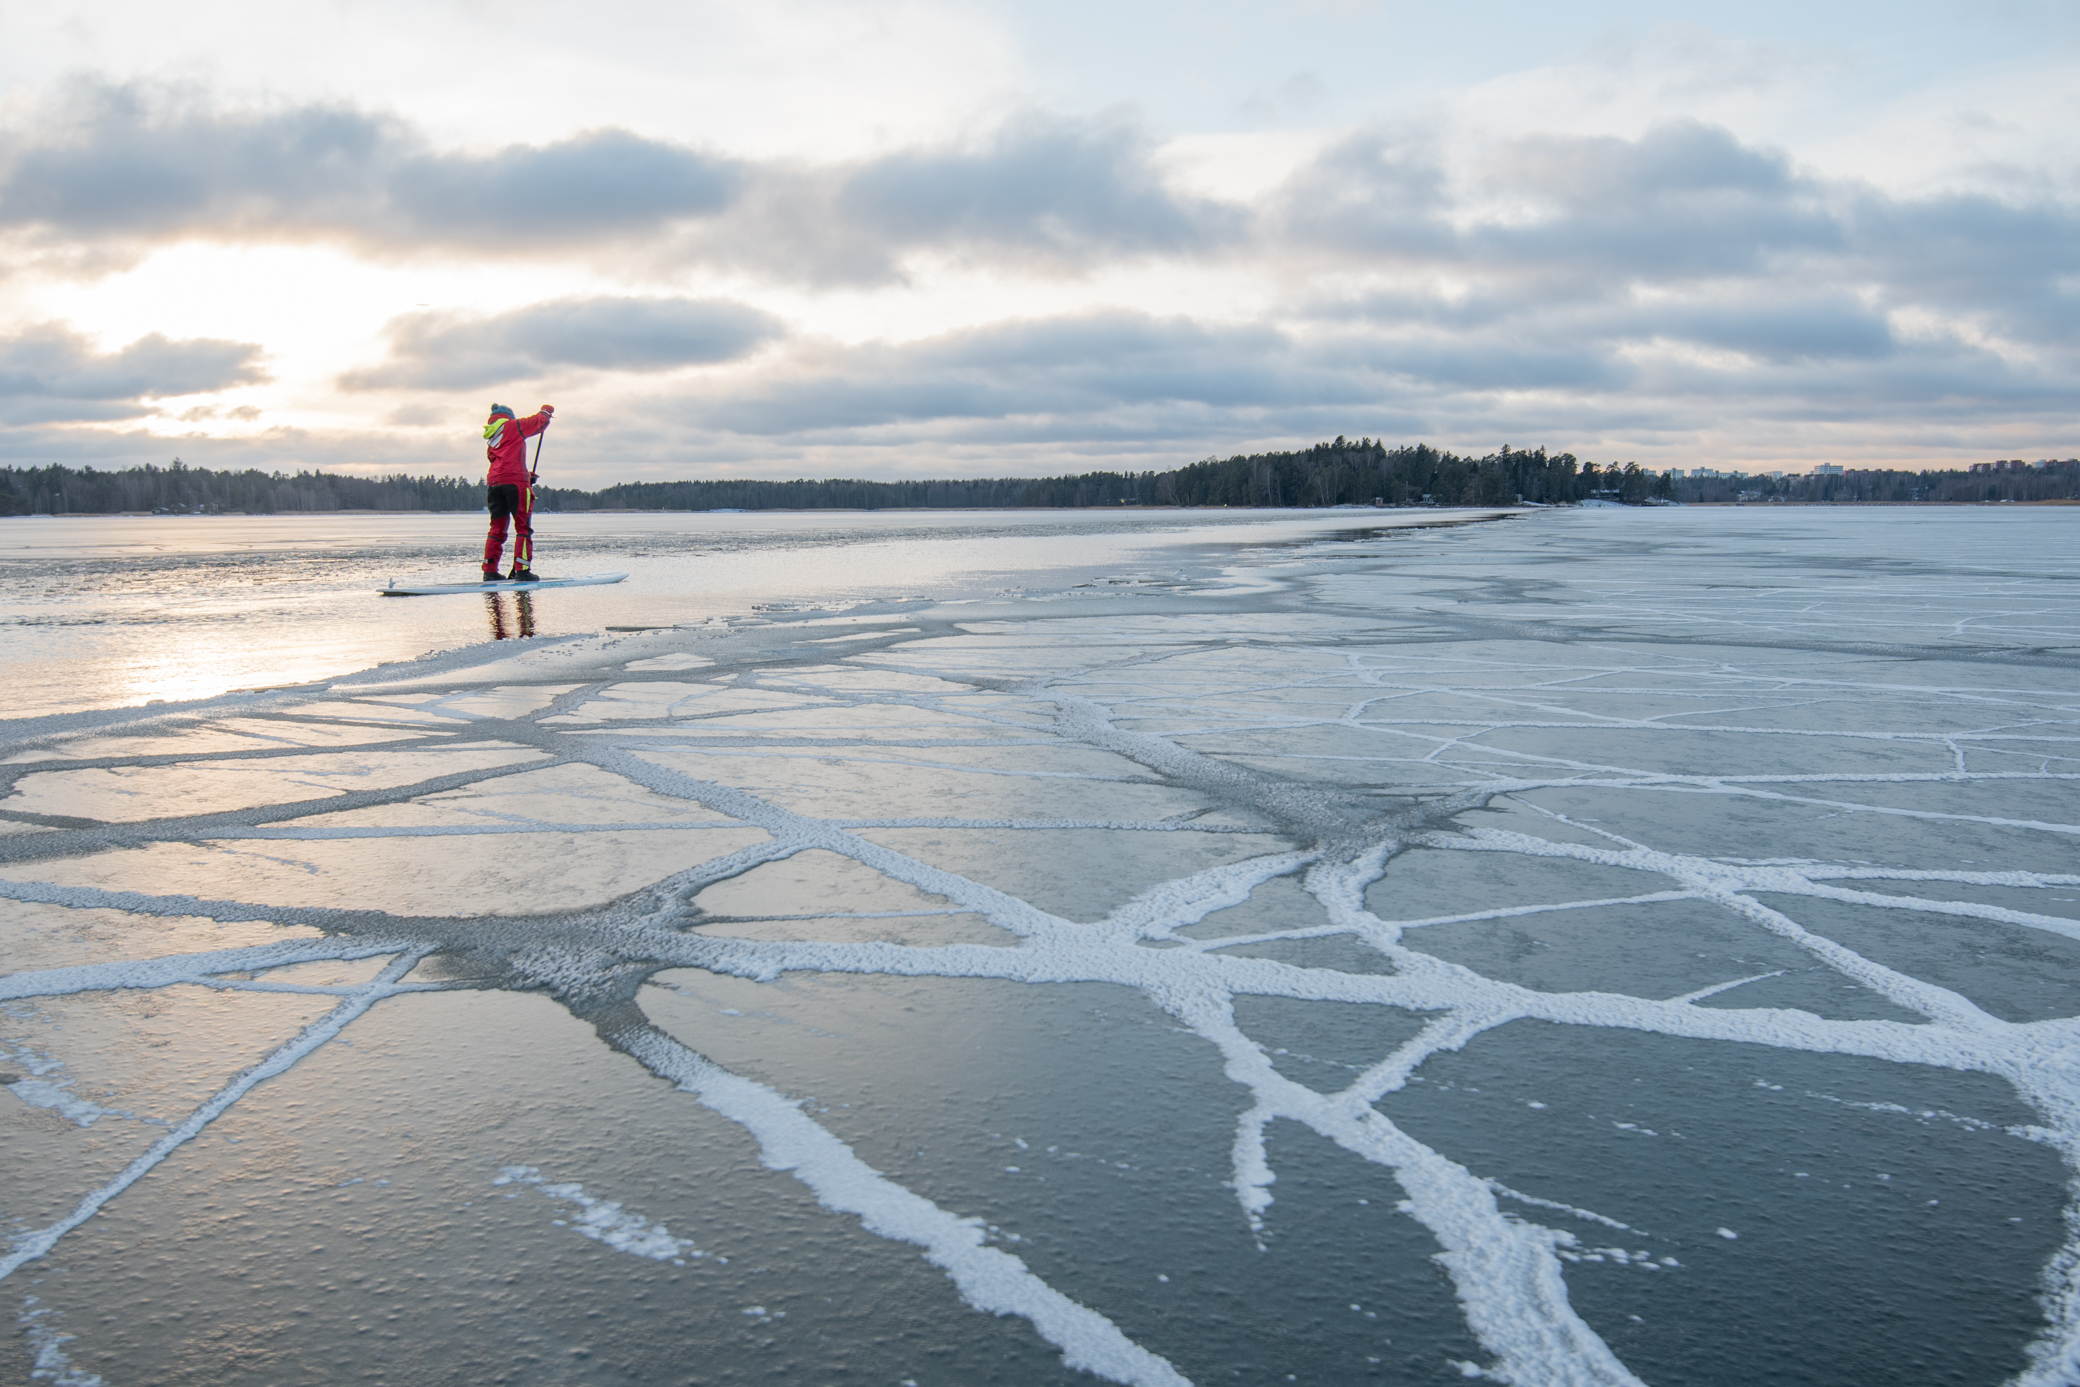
[(1112, 349), (51, 373), (608, 185), (446, 351), (1688, 209), (1123, 382), (1684, 201), (135, 164), (1819, 326), (1374, 195), (1776, 323), (1085, 367), (1123, 391), (2013, 264), (1684, 204), (1062, 187), (1685, 235), (1494, 364), (1919, 389), (112, 161), (1672, 162), (1057, 194)]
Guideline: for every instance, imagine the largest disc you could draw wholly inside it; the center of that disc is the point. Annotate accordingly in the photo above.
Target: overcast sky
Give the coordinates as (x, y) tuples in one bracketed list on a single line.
[(1010, 237)]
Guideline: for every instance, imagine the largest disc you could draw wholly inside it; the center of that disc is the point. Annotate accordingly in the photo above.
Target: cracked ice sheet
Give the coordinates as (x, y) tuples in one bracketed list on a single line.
[(1677, 1143), (808, 717), (146, 1057), (954, 1087), (1070, 784), (221, 734), (35, 936), (819, 895), (564, 794), (352, 1212), (1441, 1041), (119, 794), (515, 874)]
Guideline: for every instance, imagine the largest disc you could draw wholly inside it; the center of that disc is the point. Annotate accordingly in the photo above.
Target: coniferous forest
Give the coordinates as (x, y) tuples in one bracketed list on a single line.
[(1358, 472), (2056, 481)]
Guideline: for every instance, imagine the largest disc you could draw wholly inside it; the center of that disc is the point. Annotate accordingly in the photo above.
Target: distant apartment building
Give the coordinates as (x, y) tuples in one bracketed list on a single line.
[(1826, 469)]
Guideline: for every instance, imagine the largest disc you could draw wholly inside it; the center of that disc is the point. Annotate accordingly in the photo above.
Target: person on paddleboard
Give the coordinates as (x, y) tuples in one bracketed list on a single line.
[(511, 488)]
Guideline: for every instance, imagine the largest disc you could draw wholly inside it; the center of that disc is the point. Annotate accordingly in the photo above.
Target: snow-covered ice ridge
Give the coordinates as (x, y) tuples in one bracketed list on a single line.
[(1590, 948)]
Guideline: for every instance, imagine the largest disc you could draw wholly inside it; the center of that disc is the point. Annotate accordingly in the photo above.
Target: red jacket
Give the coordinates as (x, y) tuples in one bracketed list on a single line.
[(507, 453)]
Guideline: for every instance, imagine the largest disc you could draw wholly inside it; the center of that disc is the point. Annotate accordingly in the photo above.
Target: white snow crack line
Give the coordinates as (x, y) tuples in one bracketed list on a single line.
[(30, 1246)]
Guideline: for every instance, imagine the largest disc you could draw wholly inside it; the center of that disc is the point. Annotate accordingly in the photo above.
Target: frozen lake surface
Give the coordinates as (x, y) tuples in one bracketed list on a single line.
[(113, 611), (1594, 947)]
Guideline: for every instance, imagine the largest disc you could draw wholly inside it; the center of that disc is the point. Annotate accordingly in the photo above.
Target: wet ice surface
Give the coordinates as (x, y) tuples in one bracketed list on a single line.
[(1586, 948), (114, 611)]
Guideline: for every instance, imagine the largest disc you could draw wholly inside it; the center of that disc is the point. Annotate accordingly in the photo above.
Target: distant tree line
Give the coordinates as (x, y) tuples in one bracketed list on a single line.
[(833, 494), (180, 489), (1337, 473), (1342, 472), (2056, 482)]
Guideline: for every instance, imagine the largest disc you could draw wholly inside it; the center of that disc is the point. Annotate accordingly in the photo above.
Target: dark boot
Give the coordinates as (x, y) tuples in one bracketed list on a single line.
[(522, 575), (491, 575)]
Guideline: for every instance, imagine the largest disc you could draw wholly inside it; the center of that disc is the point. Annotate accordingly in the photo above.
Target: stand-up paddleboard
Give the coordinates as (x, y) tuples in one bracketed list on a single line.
[(590, 580)]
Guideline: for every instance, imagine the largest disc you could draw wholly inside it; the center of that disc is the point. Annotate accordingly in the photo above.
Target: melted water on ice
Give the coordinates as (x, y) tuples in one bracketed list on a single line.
[(1590, 948), (108, 611)]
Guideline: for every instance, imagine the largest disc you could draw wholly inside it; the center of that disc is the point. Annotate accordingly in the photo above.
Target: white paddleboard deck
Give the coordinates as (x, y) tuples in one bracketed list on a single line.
[(590, 580)]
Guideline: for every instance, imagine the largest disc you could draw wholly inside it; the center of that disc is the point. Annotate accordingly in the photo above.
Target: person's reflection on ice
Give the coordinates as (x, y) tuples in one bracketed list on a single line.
[(505, 626)]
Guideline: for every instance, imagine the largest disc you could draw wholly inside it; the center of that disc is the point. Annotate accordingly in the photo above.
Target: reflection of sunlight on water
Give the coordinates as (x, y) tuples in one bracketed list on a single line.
[(111, 611), (207, 661)]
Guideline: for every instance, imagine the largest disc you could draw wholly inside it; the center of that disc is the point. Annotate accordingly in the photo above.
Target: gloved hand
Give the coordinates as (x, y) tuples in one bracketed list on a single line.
[(548, 409)]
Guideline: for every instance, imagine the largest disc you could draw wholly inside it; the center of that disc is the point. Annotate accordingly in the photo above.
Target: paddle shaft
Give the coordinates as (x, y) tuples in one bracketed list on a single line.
[(535, 468)]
